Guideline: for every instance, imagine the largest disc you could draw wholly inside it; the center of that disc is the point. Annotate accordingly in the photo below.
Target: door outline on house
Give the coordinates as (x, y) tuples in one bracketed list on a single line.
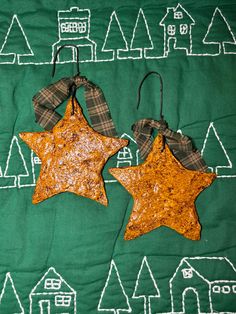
[(186, 290), (44, 309), (71, 49), (171, 44)]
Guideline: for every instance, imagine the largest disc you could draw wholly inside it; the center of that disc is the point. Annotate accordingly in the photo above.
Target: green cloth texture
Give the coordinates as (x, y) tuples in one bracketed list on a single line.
[(67, 254)]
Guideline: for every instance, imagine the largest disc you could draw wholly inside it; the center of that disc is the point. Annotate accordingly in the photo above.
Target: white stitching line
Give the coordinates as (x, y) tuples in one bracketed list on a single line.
[(75, 40), (93, 45), (229, 166), (112, 18), (116, 311), (217, 10), (144, 49), (15, 18), (8, 278), (147, 300), (17, 177), (34, 292), (187, 260)]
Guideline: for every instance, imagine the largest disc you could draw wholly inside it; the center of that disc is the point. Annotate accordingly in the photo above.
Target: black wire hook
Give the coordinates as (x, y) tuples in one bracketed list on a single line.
[(161, 92), (73, 86), (162, 121), (56, 54)]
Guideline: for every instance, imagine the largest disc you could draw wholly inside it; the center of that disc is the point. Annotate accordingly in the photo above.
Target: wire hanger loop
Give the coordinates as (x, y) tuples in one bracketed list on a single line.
[(162, 122), (161, 92), (56, 55), (73, 86)]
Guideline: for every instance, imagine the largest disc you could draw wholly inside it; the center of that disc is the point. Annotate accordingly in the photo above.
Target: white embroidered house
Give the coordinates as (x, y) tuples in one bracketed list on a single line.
[(52, 294), (74, 29), (211, 280), (128, 156), (177, 24)]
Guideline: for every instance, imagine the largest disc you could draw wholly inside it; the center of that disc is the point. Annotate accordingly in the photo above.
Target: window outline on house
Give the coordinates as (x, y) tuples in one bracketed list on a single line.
[(171, 30), (216, 289), (74, 27), (63, 300), (37, 160), (52, 283), (124, 152), (228, 289), (178, 15), (187, 273), (124, 158), (183, 29)]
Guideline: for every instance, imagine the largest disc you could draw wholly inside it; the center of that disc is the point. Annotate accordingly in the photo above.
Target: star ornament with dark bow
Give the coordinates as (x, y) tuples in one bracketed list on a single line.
[(73, 156), (164, 193)]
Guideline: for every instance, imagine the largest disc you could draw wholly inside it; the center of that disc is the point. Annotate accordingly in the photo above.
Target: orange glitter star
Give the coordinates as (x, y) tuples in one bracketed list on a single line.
[(164, 193), (73, 156)]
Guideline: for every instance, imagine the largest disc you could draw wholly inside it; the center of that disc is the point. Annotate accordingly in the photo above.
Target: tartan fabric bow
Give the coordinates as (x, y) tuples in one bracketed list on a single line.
[(180, 145), (51, 96)]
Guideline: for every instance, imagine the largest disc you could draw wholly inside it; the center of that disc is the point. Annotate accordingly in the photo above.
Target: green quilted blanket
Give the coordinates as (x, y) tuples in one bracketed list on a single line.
[(67, 254)]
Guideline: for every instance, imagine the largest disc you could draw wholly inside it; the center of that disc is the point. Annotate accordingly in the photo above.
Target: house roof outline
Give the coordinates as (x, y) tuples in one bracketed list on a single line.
[(172, 10), (51, 273), (192, 262), (125, 135)]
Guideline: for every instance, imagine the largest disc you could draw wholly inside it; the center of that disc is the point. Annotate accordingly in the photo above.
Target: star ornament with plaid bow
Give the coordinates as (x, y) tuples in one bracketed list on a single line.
[(164, 193), (73, 156)]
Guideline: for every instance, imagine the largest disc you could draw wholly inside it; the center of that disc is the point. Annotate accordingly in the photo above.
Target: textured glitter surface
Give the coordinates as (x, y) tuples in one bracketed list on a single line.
[(164, 193), (73, 156)]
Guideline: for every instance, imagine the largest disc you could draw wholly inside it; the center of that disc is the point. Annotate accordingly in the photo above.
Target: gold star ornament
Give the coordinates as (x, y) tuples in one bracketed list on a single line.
[(73, 156), (164, 193)]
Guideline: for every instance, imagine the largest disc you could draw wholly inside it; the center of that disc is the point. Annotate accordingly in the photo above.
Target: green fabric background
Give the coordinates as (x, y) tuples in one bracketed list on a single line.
[(79, 237)]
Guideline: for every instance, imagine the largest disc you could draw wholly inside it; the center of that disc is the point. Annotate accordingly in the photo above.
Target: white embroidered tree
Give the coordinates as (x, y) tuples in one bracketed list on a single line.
[(9, 299), (214, 152), (32, 164), (15, 166), (146, 286), (141, 39), (115, 39), (219, 31), (113, 297), (16, 42), (2, 183)]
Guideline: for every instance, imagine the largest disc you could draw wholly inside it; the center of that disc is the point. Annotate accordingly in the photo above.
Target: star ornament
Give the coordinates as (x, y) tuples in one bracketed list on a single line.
[(73, 156), (164, 193)]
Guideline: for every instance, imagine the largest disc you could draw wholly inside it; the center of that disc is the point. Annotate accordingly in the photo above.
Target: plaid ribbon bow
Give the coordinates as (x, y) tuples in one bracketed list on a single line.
[(180, 145), (50, 97)]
